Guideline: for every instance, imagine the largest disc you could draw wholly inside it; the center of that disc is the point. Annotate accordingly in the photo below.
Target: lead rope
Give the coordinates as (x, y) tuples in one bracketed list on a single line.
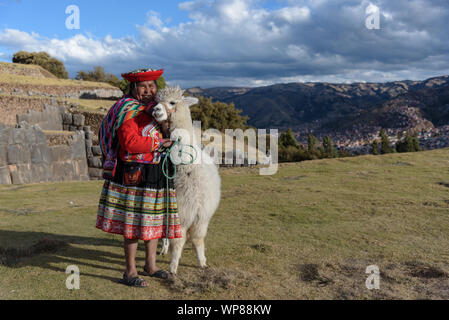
[(165, 169)]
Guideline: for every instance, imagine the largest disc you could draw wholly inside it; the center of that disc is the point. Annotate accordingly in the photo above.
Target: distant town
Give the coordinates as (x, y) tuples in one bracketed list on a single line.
[(359, 138)]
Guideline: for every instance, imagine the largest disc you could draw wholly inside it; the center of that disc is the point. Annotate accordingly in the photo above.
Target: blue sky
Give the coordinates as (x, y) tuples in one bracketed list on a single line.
[(98, 17), (237, 42)]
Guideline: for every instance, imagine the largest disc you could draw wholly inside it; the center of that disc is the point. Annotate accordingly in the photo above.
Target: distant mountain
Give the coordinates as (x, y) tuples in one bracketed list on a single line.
[(419, 109), (220, 93), (337, 106)]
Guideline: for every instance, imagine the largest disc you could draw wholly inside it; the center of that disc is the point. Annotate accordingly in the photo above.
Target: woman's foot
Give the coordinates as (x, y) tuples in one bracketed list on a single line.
[(158, 273), (133, 281)]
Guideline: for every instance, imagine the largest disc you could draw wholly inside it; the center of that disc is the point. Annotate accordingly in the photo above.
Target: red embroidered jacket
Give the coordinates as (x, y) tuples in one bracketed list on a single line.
[(139, 139)]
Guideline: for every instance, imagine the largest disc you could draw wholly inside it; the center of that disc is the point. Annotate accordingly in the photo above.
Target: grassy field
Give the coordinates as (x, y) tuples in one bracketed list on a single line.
[(90, 105), (308, 232), (29, 80)]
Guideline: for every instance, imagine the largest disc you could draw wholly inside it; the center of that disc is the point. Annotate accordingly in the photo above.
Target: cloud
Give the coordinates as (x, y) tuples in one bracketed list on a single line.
[(237, 42)]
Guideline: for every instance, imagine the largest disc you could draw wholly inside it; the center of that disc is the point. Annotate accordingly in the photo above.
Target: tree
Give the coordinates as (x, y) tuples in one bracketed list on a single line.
[(44, 60), (375, 147), (385, 142), (98, 75), (408, 144), (287, 139), (218, 115), (328, 147), (312, 150), (415, 140)]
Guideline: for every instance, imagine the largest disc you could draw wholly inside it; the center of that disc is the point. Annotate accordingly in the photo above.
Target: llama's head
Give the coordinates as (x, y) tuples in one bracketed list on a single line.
[(174, 107)]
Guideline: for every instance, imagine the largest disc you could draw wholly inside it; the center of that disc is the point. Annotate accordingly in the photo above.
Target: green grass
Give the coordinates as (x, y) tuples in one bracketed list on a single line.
[(89, 105), (29, 80), (307, 232)]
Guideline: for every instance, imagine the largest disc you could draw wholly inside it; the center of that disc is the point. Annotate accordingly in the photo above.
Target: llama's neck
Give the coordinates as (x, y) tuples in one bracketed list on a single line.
[(183, 126)]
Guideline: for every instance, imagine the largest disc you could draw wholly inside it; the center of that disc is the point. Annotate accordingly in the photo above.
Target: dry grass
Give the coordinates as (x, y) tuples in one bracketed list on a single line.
[(29, 80), (308, 232), (25, 69)]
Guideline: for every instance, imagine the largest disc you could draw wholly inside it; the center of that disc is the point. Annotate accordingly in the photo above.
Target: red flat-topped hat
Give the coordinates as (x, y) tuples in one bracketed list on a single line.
[(143, 75)]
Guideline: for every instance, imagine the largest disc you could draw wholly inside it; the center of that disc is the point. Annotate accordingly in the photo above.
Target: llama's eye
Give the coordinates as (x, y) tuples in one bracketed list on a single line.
[(172, 103)]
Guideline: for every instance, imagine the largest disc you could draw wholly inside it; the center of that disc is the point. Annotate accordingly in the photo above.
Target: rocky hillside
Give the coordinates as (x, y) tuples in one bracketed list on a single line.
[(30, 87), (327, 105)]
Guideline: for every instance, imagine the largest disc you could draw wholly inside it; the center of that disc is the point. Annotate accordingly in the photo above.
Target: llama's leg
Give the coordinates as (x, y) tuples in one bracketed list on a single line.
[(176, 246), (198, 235)]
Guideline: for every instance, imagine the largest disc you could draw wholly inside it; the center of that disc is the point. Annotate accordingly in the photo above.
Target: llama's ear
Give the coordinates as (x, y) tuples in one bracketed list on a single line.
[(190, 101)]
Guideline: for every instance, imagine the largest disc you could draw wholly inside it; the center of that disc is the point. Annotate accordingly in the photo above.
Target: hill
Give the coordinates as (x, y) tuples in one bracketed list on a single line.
[(30, 87), (25, 70), (315, 105), (308, 232)]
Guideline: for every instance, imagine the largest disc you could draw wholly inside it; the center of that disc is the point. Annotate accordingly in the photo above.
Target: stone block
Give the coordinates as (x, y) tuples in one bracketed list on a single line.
[(96, 150), (5, 176), (73, 128), (22, 118), (30, 136), (80, 168), (84, 177), (65, 127), (78, 146), (41, 172), (62, 171), (89, 153), (78, 120), (88, 144), (95, 162), (67, 118), (89, 135), (40, 153), (60, 153), (40, 135), (18, 136), (3, 155), (5, 135), (86, 129), (18, 154), (20, 173), (95, 173)]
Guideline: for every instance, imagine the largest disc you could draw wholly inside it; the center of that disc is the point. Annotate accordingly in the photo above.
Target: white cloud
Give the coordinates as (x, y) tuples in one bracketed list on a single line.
[(294, 14), (153, 19), (233, 42)]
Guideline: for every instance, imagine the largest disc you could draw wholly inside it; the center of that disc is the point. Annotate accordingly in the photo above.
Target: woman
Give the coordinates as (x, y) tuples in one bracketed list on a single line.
[(133, 199)]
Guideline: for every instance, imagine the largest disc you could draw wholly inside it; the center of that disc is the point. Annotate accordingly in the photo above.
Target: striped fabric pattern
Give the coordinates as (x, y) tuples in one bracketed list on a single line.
[(124, 109), (137, 213)]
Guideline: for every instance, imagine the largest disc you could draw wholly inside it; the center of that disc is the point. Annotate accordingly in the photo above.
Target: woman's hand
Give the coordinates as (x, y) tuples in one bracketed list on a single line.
[(166, 143)]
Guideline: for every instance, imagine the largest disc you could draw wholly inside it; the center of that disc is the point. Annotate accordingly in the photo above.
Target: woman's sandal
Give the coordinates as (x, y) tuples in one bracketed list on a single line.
[(133, 282), (160, 274)]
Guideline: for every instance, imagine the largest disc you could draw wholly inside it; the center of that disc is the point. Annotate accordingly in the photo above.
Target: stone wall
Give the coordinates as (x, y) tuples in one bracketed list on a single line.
[(76, 121), (61, 92), (50, 118), (26, 157)]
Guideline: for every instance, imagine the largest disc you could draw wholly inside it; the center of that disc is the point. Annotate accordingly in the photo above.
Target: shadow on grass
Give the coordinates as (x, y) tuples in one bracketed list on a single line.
[(56, 249)]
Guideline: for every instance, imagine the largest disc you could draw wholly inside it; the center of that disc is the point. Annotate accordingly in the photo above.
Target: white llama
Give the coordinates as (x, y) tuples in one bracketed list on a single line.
[(198, 185)]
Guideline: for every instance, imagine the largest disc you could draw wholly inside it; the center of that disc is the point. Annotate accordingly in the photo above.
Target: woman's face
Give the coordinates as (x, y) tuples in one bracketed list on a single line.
[(145, 91)]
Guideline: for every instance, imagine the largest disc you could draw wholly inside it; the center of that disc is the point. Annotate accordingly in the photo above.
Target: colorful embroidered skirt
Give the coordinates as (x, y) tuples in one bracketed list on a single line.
[(139, 211)]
